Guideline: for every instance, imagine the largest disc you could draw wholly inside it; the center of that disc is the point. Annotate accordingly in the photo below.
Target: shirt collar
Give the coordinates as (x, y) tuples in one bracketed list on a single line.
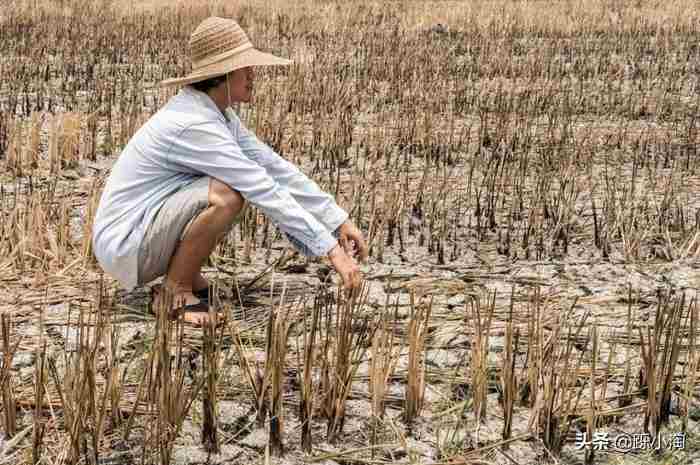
[(204, 100)]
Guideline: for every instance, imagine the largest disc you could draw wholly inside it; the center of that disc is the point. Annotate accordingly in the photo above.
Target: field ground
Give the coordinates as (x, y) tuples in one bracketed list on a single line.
[(526, 173)]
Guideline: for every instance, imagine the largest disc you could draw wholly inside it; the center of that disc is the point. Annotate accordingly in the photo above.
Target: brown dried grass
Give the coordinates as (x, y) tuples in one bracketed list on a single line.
[(416, 335)]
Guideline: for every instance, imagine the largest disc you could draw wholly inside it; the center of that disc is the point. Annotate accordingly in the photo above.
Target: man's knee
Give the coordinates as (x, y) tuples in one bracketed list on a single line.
[(222, 196)]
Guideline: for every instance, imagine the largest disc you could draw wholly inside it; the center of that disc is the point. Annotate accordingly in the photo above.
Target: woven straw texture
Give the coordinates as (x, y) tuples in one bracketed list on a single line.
[(219, 46)]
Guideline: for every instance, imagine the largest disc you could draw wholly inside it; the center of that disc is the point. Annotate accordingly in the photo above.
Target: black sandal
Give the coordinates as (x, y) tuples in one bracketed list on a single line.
[(200, 307), (203, 294)]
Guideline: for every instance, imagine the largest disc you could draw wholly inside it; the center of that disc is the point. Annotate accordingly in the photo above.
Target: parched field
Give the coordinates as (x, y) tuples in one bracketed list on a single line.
[(526, 173)]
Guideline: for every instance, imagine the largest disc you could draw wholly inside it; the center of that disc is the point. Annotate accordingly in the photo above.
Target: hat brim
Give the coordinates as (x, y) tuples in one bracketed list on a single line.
[(250, 57)]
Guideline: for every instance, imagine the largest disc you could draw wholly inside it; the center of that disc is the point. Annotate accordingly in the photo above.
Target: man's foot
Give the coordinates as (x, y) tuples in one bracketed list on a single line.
[(203, 295), (201, 318), (200, 284), (202, 289), (193, 309)]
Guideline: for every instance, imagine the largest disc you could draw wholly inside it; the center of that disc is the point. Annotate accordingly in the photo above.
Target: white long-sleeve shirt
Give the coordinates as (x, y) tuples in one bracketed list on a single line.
[(189, 137)]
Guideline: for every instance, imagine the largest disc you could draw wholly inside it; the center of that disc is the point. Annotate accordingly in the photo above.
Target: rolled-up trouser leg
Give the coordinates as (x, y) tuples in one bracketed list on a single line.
[(169, 227)]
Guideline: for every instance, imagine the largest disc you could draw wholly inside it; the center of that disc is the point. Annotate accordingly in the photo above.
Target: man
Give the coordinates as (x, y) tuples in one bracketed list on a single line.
[(184, 178)]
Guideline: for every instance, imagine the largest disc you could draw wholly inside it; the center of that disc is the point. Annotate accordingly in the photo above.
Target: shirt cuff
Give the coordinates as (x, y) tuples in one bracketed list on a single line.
[(326, 244), (336, 219), (317, 248)]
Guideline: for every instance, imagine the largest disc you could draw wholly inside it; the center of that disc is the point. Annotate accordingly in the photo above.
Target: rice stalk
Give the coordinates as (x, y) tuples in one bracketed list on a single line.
[(692, 363), (172, 397), (509, 382), (84, 407), (33, 145), (79, 386), (15, 149), (62, 235), (9, 406), (143, 386), (30, 234), (672, 349), (347, 335), (660, 351), (280, 323), (481, 328), (384, 357), (625, 399), (258, 379), (91, 123), (417, 334), (54, 152), (211, 352), (307, 388), (557, 402), (116, 382), (64, 142), (90, 210), (535, 345), (592, 417), (39, 425), (107, 335)]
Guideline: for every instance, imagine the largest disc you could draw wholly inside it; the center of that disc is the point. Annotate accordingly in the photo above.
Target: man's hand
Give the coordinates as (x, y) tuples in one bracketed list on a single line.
[(352, 240), (346, 268)]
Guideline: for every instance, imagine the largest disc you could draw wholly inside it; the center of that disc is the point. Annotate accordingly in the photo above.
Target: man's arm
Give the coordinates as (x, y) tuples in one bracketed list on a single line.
[(207, 148), (304, 190)]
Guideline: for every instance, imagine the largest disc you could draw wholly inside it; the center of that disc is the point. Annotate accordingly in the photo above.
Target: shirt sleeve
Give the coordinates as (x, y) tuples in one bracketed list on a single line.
[(208, 148), (304, 190)]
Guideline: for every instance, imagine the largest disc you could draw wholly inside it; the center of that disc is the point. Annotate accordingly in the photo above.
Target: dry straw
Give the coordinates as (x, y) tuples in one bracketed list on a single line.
[(308, 390), (94, 195), (258, 379), (384, 357), (500, 153), (508, 378), (480, 320), (660, 351), (276, 354), (211, 352), (347, 333), (592, 417), (39, 424), (417, 335), (86, 397), (692, 363), (556, 402), (9, 407), (64, 142), (169, 392)]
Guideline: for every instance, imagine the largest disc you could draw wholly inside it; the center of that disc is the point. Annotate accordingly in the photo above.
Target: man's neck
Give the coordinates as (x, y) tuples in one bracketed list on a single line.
[(220, 101)]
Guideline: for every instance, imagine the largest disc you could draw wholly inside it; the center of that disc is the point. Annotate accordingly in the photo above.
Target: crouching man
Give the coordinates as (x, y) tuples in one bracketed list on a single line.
[(185, 178)]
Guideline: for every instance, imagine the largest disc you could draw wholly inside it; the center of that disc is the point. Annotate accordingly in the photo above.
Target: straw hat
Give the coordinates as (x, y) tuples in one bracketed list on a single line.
[(219, 46)]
